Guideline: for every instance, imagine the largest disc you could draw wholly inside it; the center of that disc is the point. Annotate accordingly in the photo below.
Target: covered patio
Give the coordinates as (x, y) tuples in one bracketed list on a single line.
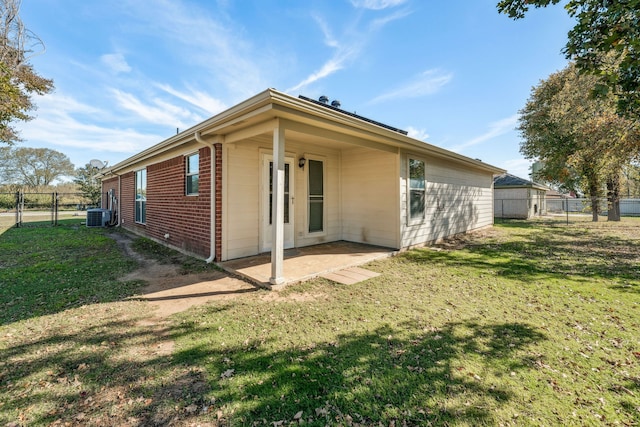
[(337, 261)]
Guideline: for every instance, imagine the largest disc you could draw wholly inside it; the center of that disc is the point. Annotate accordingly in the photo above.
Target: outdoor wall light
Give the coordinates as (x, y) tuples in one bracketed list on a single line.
[(301, 162)]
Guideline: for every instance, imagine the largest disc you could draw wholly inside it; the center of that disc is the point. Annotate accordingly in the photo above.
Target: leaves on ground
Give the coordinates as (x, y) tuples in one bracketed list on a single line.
[(525, 324)]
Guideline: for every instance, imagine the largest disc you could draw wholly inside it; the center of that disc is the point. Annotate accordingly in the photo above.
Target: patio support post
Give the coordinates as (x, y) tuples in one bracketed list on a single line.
[(277, 241)]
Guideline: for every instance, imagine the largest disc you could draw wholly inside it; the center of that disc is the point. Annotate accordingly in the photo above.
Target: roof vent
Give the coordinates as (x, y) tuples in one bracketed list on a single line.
[(323, 99), (335, 103)]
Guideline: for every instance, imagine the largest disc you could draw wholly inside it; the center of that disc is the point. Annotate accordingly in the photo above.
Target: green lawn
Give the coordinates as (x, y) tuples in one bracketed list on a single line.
[(531, 323)]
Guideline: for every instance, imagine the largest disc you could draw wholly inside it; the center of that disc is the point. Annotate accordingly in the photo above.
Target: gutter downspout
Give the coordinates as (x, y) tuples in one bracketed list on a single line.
[(212, 191), (119, 200)]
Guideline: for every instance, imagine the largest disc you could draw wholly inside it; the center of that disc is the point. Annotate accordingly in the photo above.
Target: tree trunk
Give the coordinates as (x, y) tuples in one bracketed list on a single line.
[(613, 198), (595, 206)]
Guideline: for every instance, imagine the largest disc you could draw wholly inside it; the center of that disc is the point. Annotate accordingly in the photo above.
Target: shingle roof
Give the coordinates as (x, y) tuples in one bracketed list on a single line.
[(506, 180)]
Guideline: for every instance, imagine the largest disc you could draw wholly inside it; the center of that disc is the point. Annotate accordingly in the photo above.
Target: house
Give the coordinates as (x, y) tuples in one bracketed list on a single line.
[(277, 172), (518, 198)]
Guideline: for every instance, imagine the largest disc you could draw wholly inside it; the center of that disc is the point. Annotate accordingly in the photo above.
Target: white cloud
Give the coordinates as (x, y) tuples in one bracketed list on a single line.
[(376, 4), (160, 113), (59, 104), (381, 22), (115, 62), (209, 43), (62, 121), (353, 43), (420, 134), (196, 98), (330, 67), (495, 129), (426, 83), (518, 167), (329, 39), (67, 131)]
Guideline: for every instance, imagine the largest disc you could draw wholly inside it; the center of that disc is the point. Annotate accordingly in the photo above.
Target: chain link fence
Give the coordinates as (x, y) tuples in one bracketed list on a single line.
[(567, 208), (22, 209)]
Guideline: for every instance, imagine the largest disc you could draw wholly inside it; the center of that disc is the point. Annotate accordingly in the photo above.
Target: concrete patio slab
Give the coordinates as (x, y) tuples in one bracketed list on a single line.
[(308, 262), (350, 276), (172, 294)]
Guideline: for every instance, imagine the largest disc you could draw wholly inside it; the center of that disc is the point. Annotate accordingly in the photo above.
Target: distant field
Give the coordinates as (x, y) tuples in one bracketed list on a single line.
[(8, 219)]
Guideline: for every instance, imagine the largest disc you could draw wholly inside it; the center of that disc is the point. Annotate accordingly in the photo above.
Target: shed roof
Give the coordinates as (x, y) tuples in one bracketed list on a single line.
[(506, 180)]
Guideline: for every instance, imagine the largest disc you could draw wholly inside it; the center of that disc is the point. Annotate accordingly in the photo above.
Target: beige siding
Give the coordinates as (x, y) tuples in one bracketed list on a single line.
[(241, 200), (458, 199), (365, 197), (370, 197), (242, 195)]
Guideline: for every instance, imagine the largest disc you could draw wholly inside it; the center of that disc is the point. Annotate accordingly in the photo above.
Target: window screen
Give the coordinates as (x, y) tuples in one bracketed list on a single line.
[(316, 196), (417, 189), (141, 196)]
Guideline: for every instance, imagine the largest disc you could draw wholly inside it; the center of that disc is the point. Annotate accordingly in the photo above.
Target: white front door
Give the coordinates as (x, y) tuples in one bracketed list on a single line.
[(267, 199)]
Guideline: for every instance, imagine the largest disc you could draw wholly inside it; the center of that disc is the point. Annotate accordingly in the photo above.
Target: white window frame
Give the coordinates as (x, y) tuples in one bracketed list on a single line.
[(410, 218), (140, 204), (188, 174)]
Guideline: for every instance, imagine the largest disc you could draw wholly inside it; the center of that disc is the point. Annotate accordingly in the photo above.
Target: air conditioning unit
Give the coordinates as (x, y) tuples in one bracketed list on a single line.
[(98, 217)]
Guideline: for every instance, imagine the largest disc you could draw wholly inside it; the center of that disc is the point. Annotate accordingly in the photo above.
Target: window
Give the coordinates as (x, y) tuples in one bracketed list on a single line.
[(193, 176), (286, 193), (417, 189), (316, 196), (141, 196)]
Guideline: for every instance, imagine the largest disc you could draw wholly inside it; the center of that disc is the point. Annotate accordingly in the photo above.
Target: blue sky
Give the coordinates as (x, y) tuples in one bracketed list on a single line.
[(129, 72)]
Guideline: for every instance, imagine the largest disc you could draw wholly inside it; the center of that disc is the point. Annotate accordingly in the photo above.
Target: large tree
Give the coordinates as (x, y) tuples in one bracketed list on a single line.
[(18, 80), (581, 141), (605, 42), (33, 167), (89, 185)]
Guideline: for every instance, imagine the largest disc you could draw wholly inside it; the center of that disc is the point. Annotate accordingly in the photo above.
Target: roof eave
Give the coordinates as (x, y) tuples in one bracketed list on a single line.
[(187, 135), (400, 140), (269, 97)]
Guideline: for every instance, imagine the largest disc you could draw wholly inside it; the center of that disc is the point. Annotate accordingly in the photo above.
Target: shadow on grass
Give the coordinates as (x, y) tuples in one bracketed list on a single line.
[(107, 373), (46, 270), (404, 376), (51, 269), (541, 251), (87, 376)]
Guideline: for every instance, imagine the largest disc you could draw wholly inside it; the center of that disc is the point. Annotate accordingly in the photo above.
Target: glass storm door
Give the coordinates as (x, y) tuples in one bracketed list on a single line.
[(267, 203)]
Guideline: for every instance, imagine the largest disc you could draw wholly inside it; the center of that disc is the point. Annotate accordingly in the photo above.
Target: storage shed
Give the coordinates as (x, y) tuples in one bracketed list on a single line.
[(518, 198)]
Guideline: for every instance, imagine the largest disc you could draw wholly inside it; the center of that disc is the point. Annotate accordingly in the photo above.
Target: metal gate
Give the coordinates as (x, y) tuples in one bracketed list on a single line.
[(23, 209)]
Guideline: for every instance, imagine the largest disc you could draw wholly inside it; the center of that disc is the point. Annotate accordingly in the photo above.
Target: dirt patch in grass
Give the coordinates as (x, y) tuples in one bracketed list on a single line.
[(527, 324), (170, 287), (109, 362), (463, 240), (280, 296)]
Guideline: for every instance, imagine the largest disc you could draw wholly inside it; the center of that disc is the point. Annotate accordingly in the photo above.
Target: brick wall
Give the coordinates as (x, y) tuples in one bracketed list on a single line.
[(186, 219), (107, 185), (127, 199)]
